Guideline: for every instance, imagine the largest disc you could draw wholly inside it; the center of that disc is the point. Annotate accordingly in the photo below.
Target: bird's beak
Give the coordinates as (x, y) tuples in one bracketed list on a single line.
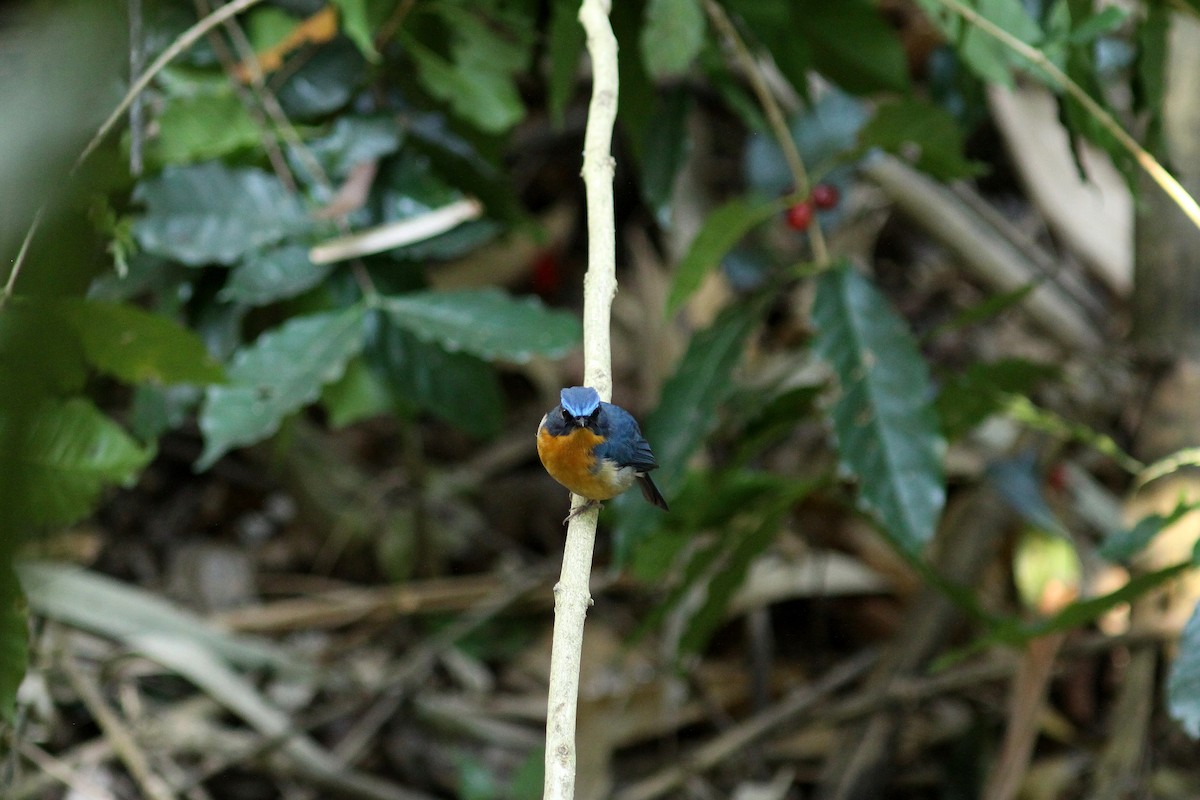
[(581, 422)]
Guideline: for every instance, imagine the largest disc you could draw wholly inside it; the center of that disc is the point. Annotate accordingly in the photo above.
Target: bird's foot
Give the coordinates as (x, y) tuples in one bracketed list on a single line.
[(575, 512)]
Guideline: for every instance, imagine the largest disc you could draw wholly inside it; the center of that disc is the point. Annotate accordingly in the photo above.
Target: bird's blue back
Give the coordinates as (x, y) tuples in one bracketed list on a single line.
[(623, 441)]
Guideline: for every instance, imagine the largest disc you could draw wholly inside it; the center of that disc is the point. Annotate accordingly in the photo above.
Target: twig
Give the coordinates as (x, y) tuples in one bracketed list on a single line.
[(1147, 162), (49, 765), (571, 594), (774, 117), (117, 733), (180, 45)]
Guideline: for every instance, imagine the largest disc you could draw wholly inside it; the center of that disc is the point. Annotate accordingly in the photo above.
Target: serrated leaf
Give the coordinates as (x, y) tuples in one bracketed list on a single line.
[(457, 388), (68, 453), (883, 417), (138, 346), (564, 46), (672, 36), (723, 229), (1183, 684), (280, 373), (210, 213), (902, 125), (14, 642), (199, 127), (487, 323), (852, 45), (273, 274), (478, 79)]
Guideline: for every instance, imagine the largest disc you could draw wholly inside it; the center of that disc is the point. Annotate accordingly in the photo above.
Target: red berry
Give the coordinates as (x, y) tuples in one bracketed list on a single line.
[(825, 196), (799, 216)]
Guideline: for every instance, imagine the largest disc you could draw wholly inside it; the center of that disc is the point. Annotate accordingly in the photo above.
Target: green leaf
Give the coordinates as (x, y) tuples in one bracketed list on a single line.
[(71, 452), (213, 214), (478, 80), (487, 323), (138, 346), (199, 127), (357, 26), (273, 274), (356, 396), (457, 388), (564, 47), (899, 126), (14, 642), (687, 414), (1123, 545), (352, 140), (970, 397), (672, 36), (723, 229), (883, 417), (985, 55), (1044, 565), (774, 26), (852, 45), (324, 81), (663, 153), (1183, 684), (280, 373)]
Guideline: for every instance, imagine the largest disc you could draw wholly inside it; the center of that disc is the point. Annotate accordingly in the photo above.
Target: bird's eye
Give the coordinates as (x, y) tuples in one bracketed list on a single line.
[(566, 415)]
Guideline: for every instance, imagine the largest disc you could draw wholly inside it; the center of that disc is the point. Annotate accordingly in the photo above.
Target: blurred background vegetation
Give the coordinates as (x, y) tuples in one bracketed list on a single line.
[(909, 324)]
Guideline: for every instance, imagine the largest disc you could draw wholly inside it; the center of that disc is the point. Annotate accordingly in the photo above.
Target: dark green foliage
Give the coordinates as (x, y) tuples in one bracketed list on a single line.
[(883, 416)]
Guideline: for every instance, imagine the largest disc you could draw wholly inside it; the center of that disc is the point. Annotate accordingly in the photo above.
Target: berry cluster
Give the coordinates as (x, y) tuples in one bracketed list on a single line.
[(823, 196)]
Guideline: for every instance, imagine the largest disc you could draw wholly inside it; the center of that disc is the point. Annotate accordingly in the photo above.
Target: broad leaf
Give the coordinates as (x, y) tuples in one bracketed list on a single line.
[(274, 274), (138, 346), (970, 397), (883, 417), (672, 36), (352, 140), (1183, 684), (686, 415), (356, 396), (852, 45), (486, 323), (901, 126), (70, 453), (723, 229), (457, 388), (280, 373), (987, 57), (213, 214), (203, 126)]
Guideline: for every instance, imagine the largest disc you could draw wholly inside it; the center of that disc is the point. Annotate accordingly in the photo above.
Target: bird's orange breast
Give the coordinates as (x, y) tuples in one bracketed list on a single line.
[(570, 461)]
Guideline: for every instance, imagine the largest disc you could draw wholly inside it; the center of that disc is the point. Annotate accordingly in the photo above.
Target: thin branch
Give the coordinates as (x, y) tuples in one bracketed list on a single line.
[(779, 128), (1147, 162), (571, 595), (180, 45)]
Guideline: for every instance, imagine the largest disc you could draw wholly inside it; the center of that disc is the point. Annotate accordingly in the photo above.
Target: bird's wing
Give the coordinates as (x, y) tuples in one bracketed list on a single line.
[(624, 443)]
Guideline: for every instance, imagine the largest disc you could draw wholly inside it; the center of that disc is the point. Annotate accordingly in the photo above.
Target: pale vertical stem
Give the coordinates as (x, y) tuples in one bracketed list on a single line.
[(571, 595)]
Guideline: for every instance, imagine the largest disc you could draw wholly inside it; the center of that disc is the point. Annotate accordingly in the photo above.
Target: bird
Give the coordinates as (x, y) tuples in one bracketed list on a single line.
[(595, 449)]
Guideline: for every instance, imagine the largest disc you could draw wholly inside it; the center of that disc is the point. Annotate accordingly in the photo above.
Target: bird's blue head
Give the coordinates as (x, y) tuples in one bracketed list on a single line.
[(580, 401)]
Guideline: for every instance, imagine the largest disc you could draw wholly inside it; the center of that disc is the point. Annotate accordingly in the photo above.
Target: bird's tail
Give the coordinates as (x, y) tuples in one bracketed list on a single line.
[(651, 492)]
